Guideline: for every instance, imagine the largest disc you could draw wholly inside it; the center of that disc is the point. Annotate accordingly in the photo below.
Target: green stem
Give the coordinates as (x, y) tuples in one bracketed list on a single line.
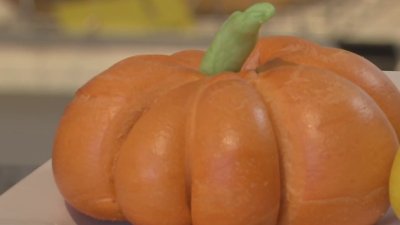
[(236, 39)]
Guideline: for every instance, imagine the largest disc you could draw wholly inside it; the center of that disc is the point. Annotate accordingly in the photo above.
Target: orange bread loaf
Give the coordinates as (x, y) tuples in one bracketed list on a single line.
[(287, 133), (154, 141)]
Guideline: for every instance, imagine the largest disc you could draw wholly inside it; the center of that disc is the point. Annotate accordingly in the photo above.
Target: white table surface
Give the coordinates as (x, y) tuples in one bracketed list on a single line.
[(35, 200)]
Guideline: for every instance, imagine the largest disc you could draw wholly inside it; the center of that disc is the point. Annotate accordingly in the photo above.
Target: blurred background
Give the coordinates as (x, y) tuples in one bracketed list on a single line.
[(48, 48)]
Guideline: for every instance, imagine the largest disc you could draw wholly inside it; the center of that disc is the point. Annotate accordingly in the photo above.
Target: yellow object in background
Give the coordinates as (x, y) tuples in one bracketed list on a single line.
[(229, 6), (394, 185), (122, 17)]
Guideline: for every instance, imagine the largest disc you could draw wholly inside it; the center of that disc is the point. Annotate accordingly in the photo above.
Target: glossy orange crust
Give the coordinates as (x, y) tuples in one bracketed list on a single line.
[(299, 137), (344, 63)]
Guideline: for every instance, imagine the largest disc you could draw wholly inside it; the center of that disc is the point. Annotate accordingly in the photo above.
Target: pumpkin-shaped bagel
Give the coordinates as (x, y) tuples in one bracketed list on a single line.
[(286, 133)]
